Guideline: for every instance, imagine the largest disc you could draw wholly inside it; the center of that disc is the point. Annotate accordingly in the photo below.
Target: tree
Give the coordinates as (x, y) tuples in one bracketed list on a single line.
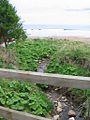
[(9, 23)]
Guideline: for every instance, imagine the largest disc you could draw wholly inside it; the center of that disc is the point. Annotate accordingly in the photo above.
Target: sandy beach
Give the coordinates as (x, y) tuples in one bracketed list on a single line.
[(82, 39)]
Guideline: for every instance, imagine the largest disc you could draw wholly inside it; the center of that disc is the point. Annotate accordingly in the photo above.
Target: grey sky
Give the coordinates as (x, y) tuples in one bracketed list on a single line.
[(82, 10), (53, 11)]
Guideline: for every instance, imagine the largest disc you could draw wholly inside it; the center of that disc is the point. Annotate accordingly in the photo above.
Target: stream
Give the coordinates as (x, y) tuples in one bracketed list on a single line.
[(59, 96)]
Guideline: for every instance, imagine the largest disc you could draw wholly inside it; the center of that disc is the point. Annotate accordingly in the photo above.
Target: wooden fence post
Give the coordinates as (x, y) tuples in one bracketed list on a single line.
[(89, 108)]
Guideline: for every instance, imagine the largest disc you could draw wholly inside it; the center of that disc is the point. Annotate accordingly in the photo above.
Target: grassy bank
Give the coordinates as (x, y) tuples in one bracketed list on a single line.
[(65, 57)]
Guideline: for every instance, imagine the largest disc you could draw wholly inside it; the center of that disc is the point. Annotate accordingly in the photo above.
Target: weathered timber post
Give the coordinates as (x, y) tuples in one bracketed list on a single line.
[(89, 108)]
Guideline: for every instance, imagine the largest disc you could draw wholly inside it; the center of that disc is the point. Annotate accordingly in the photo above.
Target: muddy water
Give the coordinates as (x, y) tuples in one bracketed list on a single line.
[(58, 95)]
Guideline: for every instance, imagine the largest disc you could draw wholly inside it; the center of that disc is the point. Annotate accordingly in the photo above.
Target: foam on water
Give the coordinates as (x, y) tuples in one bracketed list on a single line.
[(57, 33)]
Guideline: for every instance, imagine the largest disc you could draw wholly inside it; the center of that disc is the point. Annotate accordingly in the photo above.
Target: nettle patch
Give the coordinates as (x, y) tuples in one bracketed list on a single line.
[(24, 97)]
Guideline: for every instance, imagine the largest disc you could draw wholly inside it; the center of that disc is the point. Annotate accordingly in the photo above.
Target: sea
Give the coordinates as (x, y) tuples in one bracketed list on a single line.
[(38, 30)]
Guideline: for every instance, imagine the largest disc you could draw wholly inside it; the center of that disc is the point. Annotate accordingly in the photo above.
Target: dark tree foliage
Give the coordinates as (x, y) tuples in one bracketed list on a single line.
[(10, 27)]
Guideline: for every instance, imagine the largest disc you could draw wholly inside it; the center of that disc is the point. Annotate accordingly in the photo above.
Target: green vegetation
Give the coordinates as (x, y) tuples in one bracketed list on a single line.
[(29, 52), (68, 69), (1, 118), (65, 57), (10, 26), (24, 97), (81, 94)]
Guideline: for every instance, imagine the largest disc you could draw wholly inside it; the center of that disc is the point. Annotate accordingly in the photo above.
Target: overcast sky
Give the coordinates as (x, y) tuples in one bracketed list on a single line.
[(53, 11)]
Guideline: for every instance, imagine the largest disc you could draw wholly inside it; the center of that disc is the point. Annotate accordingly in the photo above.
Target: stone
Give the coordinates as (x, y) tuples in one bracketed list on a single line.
[(63, 97), (55, 101), (64, 104), (65, 100), (56, 117), (72, 118), (39, 62), (71, 103), (56, 89), (71, 113), (72, 107), (59, 107)]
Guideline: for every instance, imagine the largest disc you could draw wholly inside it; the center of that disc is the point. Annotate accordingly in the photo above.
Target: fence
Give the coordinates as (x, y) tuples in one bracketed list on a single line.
[(41, 78)]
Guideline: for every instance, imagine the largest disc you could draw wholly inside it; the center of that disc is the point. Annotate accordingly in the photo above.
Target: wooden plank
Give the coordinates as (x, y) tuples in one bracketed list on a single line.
[(16, 115), (45, 78)]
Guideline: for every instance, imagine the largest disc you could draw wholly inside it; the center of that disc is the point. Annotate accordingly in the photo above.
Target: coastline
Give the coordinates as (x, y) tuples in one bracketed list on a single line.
[(71, 38)]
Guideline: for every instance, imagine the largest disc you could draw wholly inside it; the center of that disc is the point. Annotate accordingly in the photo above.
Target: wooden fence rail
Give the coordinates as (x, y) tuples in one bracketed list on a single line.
[(16, 115), (42, 78), (45, 78)]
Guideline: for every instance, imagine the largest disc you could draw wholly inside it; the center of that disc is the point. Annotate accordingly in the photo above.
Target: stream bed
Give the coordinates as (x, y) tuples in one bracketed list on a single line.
[(59, 97)]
